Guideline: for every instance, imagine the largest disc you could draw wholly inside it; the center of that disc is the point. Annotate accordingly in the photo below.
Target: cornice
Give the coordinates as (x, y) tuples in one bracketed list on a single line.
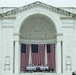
[(69, 18), (59, 34), (8, 17), (37, 4)]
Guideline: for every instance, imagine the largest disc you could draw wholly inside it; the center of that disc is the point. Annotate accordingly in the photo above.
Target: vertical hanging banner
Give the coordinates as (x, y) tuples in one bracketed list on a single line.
[(24, 56), (51, 55), (35, 56), (38, 52)]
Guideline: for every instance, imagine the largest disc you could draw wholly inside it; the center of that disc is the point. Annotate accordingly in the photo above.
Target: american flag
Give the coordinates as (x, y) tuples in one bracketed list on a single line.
[(38, 54), (24, 56), (34, 48), (51, 55)]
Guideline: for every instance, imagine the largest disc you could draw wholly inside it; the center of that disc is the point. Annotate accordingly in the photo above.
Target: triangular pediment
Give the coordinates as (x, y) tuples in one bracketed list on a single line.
[(37, 4)]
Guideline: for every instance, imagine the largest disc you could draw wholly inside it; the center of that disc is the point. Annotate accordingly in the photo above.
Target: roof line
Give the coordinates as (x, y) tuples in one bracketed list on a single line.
[(36, 4)]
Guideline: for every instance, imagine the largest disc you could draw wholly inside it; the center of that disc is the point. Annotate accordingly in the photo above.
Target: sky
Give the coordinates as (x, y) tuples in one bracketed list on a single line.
[(19, 3)]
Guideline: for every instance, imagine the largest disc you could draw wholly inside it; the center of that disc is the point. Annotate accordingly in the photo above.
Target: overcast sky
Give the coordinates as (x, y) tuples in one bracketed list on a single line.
[(19, 3)]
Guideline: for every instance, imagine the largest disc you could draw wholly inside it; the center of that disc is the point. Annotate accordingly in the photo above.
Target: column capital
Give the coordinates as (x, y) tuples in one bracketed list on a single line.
[(16, 40), (59, 37), (16, 37), (59, 40), (59, 34)]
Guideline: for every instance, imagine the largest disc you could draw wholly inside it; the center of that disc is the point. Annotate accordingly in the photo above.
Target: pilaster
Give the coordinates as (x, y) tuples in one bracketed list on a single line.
[(7, 46), (58, 53), (17, 54)]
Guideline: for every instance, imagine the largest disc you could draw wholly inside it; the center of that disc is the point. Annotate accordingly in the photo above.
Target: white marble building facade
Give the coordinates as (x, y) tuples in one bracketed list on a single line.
[(37, 23)]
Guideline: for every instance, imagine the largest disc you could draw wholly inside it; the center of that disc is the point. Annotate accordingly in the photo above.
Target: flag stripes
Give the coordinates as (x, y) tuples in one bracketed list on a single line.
[(51, 55), (38, 55), (41, 54), (24, 56)]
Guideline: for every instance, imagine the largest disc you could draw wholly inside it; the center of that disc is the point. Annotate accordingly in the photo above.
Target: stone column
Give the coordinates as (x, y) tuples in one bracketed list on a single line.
[(58, 57), (46, 55), (30, 56), (17, 57)]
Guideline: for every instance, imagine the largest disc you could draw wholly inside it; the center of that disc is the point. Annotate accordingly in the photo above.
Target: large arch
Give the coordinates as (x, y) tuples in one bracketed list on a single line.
[(38, 24), (37, 28), (58, 35), (45, 12)]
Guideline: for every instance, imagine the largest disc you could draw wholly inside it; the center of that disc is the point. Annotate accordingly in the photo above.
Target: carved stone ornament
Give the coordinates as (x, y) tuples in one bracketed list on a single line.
[(37, 4), (68, 63), (7, 63)]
